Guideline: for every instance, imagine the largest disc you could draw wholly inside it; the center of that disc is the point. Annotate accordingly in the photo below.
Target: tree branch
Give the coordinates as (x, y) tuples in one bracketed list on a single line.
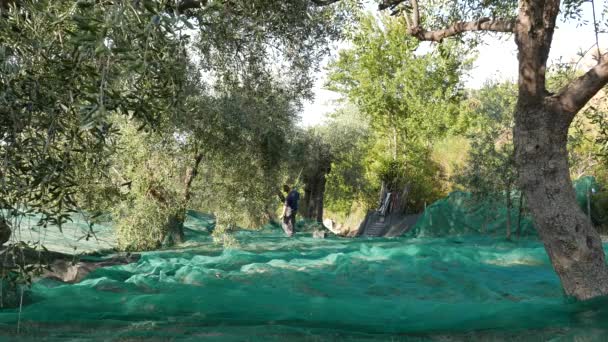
[(408, 21), (185, 5), (191, 173), (415, 13), (483, 24), (578, 92), (389, 4), (324, 2)]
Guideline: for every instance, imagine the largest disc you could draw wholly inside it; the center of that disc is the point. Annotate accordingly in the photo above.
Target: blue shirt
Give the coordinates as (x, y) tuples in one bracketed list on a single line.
[(292, 199)]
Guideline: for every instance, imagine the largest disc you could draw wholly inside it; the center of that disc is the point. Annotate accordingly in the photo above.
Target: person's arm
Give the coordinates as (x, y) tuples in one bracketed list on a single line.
[(285, 204), (281, 196), (284, 200)]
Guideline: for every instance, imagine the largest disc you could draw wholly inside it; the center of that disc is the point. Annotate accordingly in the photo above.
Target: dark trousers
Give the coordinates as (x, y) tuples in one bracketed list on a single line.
[(289, 223)]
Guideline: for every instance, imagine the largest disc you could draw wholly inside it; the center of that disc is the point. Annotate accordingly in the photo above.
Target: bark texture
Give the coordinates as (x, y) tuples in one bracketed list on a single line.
[(573, 245), (314, 191), (540, 137)]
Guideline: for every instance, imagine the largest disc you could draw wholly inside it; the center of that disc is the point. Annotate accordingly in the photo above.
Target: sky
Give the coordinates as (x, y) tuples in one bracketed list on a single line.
[(497, 60)]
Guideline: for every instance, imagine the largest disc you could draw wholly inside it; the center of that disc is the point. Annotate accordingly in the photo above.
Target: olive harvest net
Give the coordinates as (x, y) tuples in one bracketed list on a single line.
[(455, 287)]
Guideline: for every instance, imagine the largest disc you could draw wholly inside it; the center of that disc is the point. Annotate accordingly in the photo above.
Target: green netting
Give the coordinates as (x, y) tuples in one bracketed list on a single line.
[(462, 214), (76, 236), (79, 236), (274, 288)]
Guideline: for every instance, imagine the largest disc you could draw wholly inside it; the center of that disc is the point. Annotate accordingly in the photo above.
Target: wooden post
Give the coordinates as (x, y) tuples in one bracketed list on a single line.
[(521, 203), (589, 203), (508, 211)]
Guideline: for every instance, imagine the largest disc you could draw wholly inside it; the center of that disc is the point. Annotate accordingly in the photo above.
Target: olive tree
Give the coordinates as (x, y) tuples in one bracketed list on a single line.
[(67, 67), (542, 119)]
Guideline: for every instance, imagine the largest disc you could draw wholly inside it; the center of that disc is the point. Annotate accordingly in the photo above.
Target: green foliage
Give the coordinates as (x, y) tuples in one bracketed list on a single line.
[(348, 134), (238, 191), (491, 168), (147, 170), (243, 135), (411, 99), (451, 155), (588, 152), (65, 67), (398, 89), (242, 41), (141, 225), (588, 140), (599, 211)]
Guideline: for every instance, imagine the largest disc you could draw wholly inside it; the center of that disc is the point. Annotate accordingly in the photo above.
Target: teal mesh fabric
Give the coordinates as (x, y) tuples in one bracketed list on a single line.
[(460, 284), (463, 214), (274, 288)]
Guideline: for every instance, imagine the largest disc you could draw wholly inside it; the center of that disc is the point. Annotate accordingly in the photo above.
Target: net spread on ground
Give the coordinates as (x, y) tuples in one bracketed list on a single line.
[(448, 278)]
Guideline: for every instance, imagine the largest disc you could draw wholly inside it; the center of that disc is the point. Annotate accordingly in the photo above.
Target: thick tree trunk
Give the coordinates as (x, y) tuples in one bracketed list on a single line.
[(573, 245), (306, 205), (540, 135), (314, 192)]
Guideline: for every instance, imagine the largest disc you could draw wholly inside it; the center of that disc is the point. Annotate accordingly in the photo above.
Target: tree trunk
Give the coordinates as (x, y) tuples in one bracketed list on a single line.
[(306, 205), (573, 245), (320, 195), (5, 231), (521, 203), (542, 120), (402, 202), (508, 223), (314, 192), (383, 191), (190, 175), (540, 136), (176, 222), (175, 229), (319, 207)]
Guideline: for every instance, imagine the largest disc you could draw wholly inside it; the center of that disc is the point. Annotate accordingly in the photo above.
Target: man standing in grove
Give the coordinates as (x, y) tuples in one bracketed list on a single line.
[(290, 209)]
